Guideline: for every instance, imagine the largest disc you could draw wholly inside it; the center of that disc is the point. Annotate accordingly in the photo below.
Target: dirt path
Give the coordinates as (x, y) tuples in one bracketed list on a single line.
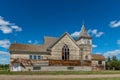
[(38, 77)]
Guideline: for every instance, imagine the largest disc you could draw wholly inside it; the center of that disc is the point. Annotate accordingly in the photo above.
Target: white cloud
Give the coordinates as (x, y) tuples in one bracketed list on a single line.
[(4, 53), (112, 53), (6, 27), (5, 43), (17, 28), (33, 42), (30, 41), (36, 42), (75, 34), (99, 34), (94, 46), (95, 32), (118, 42), (3, 22), (114, 24)]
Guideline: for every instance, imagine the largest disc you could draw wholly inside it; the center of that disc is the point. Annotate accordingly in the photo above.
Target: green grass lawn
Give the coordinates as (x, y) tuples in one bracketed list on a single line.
[(78, 79), (58, 72), (86, 79)]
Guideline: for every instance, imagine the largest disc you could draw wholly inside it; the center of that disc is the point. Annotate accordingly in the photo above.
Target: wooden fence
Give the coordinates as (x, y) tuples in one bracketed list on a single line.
[(27, 62), (69, 63)]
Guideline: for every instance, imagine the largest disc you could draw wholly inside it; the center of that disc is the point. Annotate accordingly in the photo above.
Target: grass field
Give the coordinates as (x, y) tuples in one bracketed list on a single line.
[(58, 72), (79, 73), (78, 79), (85, 79)]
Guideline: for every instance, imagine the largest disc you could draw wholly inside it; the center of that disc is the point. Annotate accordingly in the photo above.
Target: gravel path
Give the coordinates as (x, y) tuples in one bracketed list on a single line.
[(36, 77)]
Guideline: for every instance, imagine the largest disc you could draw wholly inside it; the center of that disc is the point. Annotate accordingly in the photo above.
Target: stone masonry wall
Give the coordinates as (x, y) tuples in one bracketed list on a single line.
[(56, 52)]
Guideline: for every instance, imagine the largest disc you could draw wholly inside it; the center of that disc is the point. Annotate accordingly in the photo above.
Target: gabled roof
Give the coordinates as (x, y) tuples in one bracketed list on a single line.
[(83, 33), (27, 47), (61, 38), (48, 41), (98, 57)]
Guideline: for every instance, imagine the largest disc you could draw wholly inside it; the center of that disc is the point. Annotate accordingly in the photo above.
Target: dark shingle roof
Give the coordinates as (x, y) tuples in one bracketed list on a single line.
[(48, 41)]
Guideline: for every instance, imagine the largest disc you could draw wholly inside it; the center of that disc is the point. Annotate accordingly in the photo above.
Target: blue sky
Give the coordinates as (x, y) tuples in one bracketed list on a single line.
[(28, 21)]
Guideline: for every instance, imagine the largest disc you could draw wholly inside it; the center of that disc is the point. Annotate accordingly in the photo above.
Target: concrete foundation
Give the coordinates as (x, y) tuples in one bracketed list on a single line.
[(58, 68)]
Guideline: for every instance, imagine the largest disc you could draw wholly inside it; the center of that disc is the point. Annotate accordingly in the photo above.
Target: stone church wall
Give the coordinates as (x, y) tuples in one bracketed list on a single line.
[(56, 52), (25, 55)]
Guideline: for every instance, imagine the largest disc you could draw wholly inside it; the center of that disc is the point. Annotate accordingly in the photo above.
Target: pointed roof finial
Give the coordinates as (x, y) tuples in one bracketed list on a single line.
[(83, 33), (83, 23)]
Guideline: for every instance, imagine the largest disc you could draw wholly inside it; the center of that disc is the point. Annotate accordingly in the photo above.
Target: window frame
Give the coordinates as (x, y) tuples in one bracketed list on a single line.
[(39, 57), (30, 56), (35, 57), (65, 52)]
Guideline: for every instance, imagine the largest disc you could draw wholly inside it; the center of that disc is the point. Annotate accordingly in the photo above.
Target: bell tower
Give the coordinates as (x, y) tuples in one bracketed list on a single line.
[(85, 43)]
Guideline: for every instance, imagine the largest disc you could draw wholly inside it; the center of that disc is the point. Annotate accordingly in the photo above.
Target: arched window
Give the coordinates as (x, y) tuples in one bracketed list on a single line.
[(65, 52)]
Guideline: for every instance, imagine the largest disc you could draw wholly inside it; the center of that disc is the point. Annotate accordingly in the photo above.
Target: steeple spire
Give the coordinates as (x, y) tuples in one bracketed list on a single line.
[(83, 23), (83, 33)]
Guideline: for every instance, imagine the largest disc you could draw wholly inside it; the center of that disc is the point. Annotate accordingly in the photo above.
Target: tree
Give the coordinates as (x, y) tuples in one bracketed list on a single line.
[(108, 63), (114, 58), (113, 63), (108, 59)]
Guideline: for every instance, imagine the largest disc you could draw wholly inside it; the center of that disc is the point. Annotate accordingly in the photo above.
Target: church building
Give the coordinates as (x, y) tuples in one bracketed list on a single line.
[(57, 54)]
